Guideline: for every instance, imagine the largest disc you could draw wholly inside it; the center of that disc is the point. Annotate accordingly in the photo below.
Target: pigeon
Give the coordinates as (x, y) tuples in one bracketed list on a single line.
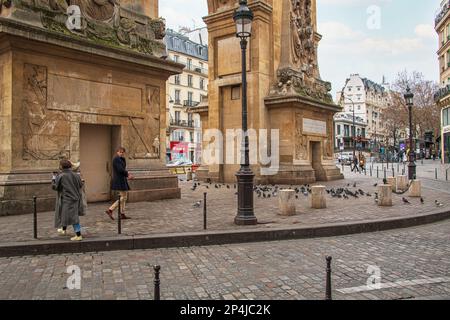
[(421, 200), (197, 204), (405, 201), (354, 185), (228, 187), (438, 204), (376, 184), (296, 196)]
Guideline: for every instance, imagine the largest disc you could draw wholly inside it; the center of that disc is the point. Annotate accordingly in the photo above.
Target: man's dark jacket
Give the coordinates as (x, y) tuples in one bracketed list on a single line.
[(120, 175)]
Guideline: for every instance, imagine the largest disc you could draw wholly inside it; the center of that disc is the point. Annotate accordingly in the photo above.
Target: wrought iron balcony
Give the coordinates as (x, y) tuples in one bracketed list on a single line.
[(442, 93), (190, 103), (197, 69), (182, 123)]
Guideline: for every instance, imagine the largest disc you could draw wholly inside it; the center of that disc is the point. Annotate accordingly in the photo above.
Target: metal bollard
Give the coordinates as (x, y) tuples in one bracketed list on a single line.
[(204, 212), (393, 172), (384, 174), (436, 173), (378, 176), (119, 219), (398, 167), (446, 175), (35, 217), (328, 281), (371, 171), (157, 282)]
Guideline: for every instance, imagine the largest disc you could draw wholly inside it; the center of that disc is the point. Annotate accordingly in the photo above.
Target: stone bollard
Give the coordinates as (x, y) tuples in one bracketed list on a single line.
[(385, 195), (416, 189), (402, 183), (287, 202), (189, 175), (318, 200), (393, 182)]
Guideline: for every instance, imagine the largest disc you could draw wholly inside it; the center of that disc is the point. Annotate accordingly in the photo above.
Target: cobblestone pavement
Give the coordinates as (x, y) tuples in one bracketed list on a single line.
[(281, 270), (173, 216)]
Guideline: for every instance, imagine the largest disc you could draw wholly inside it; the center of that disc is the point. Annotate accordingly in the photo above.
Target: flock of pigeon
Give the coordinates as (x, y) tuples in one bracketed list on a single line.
[(272, 191)]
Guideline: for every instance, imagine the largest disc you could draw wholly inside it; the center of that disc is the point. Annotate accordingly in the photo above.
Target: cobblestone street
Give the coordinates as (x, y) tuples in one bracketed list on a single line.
[(179, 215), (270, 270)]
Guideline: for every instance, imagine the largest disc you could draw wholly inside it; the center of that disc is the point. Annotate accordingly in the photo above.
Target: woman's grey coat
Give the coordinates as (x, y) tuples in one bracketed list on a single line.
[(69, 204)]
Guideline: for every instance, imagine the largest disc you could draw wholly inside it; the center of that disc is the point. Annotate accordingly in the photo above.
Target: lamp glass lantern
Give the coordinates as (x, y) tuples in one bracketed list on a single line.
[(409, 97), (243, 17)]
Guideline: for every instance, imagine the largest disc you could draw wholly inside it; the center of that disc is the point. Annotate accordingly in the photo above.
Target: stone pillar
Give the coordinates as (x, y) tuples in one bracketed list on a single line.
[(318, 200), (385, 195), (287, 202), (402, 183), (393, 182), (416, 189)]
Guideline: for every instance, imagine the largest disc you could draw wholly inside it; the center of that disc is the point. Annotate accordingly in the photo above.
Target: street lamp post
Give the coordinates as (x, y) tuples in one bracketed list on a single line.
[(409, 97), (243, 18)]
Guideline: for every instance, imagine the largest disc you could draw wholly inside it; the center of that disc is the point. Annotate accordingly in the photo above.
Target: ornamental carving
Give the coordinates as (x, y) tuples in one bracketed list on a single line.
[(46, 133), (143, 134), (101, 21), (301, 141)]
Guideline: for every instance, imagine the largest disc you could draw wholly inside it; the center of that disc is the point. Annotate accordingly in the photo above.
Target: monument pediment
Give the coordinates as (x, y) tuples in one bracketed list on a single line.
[(104, 22)]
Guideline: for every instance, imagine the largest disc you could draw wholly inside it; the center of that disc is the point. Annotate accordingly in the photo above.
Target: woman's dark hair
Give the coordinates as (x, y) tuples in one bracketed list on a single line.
[(65, 164), (121, 149)]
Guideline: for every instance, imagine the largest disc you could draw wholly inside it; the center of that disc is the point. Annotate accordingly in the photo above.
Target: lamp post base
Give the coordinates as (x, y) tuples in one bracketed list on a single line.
[(245, 215), (411, 171)]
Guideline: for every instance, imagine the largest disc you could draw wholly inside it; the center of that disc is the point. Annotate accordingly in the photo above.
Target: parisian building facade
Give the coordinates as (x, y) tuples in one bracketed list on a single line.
[(442, 97), (185, 91)]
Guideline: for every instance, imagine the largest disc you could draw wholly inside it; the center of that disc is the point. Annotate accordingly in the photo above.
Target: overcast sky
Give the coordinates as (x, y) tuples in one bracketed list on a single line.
[(369, 37)]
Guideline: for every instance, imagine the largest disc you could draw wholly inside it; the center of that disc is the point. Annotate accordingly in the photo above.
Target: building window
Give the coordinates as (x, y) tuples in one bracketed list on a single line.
[(177, 116), (446, 117), (190, 81), (338, 130), (176, 58), (191, 137), (202, 83), (189, 64), (349, 89), (346, 130), (236, 93), (177, 96), (177, 79), (190, 97), (363, 132)]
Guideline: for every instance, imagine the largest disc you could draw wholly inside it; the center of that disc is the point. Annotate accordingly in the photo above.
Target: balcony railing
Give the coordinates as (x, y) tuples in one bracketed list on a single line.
[(190, 103), (182, 123), (197, 69), (442, 93), (441, 14)]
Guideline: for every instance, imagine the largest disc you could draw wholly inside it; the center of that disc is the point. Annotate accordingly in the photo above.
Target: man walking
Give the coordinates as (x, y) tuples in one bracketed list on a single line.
[(120, 183)]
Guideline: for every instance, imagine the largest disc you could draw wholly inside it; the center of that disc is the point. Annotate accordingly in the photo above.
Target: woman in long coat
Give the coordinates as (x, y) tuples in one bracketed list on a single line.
[(69, 205)]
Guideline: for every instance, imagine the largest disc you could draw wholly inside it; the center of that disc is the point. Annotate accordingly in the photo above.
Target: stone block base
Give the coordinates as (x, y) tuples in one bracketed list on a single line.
[(318, 200), (17, 190), (416, 189), (286, 202), (385, 195)]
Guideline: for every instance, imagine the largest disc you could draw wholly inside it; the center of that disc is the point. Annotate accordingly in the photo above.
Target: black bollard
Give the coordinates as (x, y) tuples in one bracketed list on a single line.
[(378, 176), (157, 282), (119, 218), (446, 175), (371, 171), (35, 217), (328, 283), (384, 174), (435, 173), (393, 172), (398, 167), (204, 211)]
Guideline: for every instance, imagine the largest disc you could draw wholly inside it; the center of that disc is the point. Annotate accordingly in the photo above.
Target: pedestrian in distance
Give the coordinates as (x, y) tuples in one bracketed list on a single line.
[(69, 203), (120, 183)]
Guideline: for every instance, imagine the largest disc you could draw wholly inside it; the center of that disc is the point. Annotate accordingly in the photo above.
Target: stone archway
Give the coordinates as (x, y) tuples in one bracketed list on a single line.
[(285, 91)]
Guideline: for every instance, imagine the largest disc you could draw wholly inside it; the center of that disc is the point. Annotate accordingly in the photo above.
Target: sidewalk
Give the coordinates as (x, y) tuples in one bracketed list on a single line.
[(173, 218)]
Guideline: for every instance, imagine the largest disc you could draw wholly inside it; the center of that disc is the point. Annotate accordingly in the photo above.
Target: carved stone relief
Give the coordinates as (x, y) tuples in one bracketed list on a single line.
[(143, 134), (46, 134), (301, 141)]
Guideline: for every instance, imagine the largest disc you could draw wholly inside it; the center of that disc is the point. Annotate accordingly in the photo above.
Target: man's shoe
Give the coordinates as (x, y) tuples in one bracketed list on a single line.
[(124, 217), (110, 214), (62, 232), (76, 238)]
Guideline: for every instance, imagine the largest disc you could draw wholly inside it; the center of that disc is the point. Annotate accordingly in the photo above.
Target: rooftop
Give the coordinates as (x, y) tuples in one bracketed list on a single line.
[(180, 43)]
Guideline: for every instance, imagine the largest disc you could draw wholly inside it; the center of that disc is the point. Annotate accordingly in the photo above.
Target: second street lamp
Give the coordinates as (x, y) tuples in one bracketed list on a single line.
[(409, 98), (243, 18)]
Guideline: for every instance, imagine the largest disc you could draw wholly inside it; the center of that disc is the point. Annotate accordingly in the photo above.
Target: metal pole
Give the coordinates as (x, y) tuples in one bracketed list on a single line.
[(157, 295), (436, 173), (204, 211), (119, 219), (35, 217), (328, 281), (378, 176)]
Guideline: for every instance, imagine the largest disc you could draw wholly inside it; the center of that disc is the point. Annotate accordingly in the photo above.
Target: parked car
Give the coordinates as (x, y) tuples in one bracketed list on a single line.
[(179, 163), (345, 157)]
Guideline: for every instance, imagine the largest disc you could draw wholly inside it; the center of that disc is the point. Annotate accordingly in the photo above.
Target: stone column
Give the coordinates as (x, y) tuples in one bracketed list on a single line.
[(385, 195), (416, 189), (287, 202), (318, 200)]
